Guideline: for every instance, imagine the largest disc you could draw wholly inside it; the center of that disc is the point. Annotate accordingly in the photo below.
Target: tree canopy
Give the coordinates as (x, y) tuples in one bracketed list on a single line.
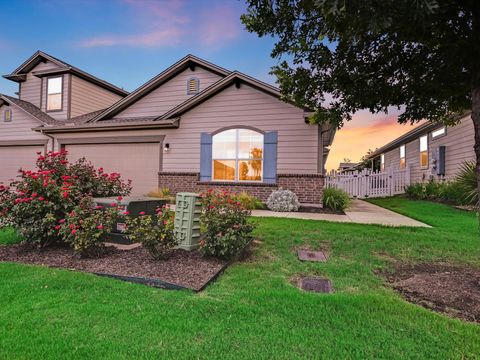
[(338, 57)]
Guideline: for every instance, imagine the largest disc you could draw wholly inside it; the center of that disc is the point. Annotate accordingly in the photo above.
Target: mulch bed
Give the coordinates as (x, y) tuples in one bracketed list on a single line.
[(187, 269), (452, 290)]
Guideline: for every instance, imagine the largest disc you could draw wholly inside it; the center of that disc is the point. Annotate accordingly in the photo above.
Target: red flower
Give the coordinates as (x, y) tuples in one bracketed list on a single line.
[(57, 227), (113, 204), (141, 213), (100, 227), (126, 213), (34, 195), (63, 162), (61, 221), (202, 243), (74, 231), (71, 226), (65, 195), (212, 207), (41, 198), (98, 207), (100, 170)]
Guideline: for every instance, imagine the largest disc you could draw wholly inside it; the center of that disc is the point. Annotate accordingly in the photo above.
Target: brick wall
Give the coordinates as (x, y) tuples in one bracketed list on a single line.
[(308, 187)]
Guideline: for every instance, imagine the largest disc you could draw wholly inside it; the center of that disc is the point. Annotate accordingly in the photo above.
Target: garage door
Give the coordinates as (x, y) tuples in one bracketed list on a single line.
[(139, 162), (12, 158)]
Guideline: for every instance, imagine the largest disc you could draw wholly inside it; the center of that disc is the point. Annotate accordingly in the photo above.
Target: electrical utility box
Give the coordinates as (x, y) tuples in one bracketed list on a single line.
[(438, 161), (188, 209), (134, 205)]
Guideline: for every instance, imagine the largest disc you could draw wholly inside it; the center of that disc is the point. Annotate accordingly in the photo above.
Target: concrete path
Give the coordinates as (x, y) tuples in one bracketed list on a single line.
[(360, 212)]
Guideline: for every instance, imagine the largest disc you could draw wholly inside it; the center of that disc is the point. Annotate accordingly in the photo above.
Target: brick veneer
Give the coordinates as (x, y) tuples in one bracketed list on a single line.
[(308, 187)]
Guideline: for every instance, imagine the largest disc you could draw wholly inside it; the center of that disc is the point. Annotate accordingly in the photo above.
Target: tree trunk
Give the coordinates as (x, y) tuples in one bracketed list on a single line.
[(476, 124)]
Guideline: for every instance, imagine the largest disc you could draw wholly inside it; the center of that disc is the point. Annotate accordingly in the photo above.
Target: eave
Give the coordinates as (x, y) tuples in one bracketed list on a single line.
[(170, 124)]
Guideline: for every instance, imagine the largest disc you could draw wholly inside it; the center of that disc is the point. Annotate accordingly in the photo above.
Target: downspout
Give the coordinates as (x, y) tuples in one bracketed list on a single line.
[(49, 136)]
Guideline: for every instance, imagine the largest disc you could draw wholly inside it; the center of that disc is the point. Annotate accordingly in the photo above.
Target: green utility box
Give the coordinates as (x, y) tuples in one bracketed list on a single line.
[(188, 209), (134, 205)]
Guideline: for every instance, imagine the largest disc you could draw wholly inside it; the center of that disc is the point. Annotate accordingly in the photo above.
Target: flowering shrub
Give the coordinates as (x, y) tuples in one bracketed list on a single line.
[(225, 226), (86, 227), (39, 199), (154, 232), (283, 200)]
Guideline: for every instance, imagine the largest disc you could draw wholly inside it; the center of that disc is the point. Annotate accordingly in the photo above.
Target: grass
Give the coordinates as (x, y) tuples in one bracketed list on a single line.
[(253, 311)]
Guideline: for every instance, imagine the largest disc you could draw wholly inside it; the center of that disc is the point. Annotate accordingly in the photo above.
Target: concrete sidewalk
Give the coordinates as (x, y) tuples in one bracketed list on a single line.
[(360, 212)]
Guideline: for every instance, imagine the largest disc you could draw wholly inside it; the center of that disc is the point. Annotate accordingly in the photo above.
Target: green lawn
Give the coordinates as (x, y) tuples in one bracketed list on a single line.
[(252, 311)]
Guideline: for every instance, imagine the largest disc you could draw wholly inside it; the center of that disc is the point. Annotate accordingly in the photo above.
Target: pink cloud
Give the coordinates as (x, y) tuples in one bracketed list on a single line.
[(172, 23)]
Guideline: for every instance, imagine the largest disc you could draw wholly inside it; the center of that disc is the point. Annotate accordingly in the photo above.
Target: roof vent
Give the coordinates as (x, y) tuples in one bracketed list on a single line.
[(193, 86)]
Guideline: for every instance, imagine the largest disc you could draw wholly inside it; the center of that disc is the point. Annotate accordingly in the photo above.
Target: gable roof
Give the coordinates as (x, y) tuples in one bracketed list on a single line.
[(234, 77), (30, 109), (19, 74), (184, 63)]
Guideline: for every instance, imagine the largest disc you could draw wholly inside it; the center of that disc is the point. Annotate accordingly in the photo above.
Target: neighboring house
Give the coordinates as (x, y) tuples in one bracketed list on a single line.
[(346, 166), (431, 151), (192, 127)]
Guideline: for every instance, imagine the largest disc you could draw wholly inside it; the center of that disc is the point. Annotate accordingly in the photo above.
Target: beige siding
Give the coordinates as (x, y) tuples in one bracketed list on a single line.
[(297, 141), (459, 141), (58, 115), (30, 89), (14, 158), (87, 97), (20, 128), (168, 95)]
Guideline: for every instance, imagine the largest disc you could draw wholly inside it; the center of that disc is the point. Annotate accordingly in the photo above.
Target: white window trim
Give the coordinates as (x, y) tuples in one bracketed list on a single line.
[(61, 94), (382, 162), (420, 152), (237, 159)]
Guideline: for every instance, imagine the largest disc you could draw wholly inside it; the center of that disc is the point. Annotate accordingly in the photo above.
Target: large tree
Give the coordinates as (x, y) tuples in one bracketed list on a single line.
[(340, 56)]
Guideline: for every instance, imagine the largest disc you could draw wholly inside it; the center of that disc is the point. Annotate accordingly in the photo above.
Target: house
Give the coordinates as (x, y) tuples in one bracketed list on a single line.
[(193, 126), (346, 166), (431, 151)]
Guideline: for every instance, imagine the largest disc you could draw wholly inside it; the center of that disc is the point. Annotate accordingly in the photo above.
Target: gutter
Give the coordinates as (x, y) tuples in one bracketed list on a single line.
[(66, 129), (50, 137)]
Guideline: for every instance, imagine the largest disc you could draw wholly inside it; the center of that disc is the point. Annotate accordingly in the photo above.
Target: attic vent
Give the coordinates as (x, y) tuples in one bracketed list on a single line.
[(7, 115), (193, 86)]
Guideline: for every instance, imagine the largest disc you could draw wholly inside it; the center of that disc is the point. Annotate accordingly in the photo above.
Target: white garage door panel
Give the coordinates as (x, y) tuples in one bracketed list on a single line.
[(139, 162), (13, 158)]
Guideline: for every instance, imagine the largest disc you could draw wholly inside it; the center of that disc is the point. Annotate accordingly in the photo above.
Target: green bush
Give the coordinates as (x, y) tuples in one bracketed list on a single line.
[(86, 227), (415, 191), (225, 226), (467, 180), (335, 199), (163, 193), (250, 202), (154, 232)]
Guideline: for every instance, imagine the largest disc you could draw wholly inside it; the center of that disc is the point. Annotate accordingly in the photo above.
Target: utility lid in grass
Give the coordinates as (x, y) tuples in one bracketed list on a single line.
[(309, 255), (316, 284)]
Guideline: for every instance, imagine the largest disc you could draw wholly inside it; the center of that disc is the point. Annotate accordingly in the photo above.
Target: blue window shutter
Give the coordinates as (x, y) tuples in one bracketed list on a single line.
[(270, 140), (205, 157)]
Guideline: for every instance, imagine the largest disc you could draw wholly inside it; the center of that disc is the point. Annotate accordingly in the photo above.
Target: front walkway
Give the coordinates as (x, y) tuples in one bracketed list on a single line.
[(360, 212)]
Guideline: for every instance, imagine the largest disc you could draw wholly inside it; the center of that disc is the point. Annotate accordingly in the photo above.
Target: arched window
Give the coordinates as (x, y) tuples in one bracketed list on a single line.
[(237, 155), (193, 86)]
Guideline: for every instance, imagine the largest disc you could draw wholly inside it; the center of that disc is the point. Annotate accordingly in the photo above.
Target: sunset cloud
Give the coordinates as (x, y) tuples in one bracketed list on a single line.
[(174, 23), (365, 131)]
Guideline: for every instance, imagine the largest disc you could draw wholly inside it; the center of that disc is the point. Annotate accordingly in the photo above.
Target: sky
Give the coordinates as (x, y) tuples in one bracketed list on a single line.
[(127, 42)]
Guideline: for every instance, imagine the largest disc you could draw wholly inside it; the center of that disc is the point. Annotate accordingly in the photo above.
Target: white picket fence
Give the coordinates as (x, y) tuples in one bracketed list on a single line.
[(368, 183)]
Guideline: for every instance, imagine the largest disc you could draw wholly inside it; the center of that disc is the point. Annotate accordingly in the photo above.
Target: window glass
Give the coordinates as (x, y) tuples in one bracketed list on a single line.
[(424, 151), (438, 132), (382, 162), (7, 116), (237, 155), (54, 93), (402, 157)]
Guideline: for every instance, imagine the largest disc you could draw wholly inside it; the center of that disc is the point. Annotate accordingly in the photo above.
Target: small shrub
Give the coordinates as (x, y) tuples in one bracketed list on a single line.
[(163, 193), (225, 226), (415, 191), (283, 200), (335, 199), (154, 232), (250, 202), (467, 180), (86, 227)]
